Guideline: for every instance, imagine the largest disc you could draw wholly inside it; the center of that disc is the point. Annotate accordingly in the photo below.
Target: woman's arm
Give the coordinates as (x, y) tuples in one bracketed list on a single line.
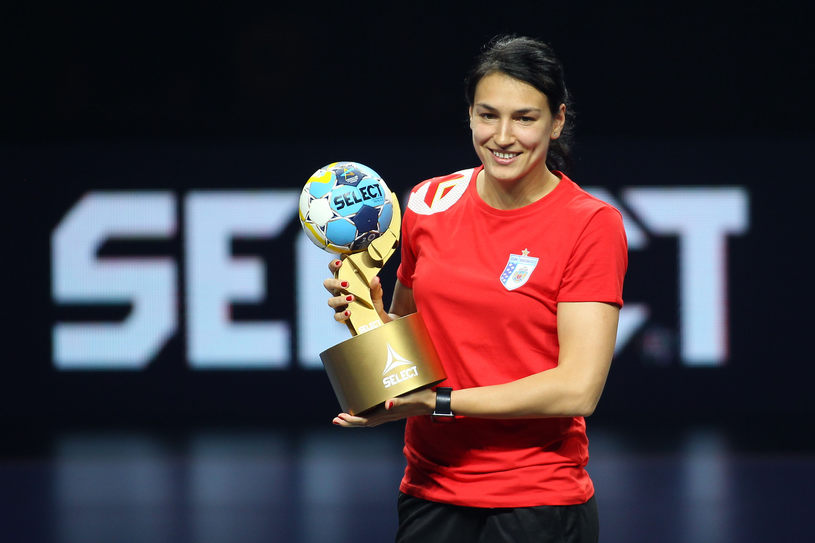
[(586, 333), (402, 302)]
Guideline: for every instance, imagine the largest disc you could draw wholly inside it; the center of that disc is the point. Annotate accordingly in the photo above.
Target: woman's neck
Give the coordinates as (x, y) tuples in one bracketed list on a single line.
[(514, 194)]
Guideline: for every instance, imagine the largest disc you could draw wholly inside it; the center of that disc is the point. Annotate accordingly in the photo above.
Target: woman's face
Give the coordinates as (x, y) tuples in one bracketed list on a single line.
[(512, 127)]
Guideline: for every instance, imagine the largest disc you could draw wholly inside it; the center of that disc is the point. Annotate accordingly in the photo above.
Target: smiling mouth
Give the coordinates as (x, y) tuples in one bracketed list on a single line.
[(504, 156)]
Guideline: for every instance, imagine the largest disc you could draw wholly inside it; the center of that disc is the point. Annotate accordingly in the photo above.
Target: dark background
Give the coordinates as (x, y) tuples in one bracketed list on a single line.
[(180, 97)]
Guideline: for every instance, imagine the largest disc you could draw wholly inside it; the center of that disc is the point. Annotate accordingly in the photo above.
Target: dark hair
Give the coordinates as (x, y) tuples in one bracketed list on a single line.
[(533, 62)]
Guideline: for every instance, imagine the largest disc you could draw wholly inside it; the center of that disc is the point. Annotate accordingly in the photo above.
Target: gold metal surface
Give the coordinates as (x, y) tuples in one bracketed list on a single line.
[(359, 268), (384, 363), (380, 361)]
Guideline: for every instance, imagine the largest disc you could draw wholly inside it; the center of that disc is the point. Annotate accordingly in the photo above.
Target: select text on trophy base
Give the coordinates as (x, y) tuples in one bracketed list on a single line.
[(403, 375)]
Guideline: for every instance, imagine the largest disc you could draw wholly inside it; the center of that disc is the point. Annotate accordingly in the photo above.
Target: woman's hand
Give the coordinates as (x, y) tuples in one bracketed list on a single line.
[(341, 297), (419, 402)]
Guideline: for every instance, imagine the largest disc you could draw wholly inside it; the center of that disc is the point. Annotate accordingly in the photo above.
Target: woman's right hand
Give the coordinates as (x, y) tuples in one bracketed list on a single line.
[(340, 297)]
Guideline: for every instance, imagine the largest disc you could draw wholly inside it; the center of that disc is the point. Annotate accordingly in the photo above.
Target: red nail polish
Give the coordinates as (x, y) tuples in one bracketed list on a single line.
[(349, 298), (337, 263), (347, 313), (344, 284)]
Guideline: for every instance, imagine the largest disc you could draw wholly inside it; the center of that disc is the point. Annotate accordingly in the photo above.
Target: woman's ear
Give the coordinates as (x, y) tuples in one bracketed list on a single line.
[(559, 121)]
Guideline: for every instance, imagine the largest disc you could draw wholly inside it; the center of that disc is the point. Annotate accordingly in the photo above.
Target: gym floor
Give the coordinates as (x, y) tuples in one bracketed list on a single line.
[(324, 484)]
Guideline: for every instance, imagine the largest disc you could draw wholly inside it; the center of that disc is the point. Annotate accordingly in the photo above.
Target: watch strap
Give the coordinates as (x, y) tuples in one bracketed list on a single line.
[(443, 409)]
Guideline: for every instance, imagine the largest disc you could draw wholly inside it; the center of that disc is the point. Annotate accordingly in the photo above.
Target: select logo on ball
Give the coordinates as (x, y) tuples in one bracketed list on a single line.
[(370, 193)]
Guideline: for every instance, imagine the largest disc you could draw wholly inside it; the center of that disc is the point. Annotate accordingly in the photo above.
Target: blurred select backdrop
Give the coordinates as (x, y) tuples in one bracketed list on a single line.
[(156, 275), (164, 312)]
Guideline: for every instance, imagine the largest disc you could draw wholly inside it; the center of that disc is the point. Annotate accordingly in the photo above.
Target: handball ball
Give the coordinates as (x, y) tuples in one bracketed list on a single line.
[(344, 206)]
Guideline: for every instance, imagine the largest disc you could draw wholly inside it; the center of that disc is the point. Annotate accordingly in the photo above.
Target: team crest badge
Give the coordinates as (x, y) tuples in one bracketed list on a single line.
[(518, 270)]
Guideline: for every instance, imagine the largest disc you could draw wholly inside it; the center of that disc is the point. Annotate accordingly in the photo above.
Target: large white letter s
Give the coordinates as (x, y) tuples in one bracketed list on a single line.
[(80, 277)]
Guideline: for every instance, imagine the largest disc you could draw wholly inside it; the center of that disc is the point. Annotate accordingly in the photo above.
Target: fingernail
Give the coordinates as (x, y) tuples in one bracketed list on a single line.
[(344, 284), (349, 298), (347, 313), (388, 405), (337, 263)]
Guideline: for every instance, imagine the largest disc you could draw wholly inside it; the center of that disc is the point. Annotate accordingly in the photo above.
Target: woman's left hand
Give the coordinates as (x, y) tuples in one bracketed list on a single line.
[(420, 402)]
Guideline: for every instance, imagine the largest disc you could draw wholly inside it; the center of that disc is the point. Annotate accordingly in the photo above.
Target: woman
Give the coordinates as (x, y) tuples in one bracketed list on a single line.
[(518, 275)]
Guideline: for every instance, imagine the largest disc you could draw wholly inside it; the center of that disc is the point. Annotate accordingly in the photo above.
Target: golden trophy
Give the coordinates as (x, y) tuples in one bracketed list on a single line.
[(380, 360)]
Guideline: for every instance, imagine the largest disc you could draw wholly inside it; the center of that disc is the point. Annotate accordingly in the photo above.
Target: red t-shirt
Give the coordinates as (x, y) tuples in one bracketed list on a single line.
[(487, 283)]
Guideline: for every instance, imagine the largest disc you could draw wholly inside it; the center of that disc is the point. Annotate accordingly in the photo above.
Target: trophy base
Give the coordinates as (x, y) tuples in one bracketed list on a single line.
[(396, 358)]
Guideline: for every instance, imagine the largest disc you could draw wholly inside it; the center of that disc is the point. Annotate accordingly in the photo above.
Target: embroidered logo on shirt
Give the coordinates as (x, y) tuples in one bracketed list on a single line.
[(518, 270)]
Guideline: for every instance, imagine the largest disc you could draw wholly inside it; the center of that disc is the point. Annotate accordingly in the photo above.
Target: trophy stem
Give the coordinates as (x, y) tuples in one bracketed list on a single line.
[(359, 268)]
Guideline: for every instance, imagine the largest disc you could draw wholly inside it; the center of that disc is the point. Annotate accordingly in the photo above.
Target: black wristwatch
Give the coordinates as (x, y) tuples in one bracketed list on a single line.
[(443, 413)]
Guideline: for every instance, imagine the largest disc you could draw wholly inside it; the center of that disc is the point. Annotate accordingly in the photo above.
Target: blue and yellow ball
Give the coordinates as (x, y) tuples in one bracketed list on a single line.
[(344, 206)]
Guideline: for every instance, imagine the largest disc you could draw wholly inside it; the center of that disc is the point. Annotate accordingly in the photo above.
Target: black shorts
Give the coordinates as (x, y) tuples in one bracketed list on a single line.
[(422, 521)]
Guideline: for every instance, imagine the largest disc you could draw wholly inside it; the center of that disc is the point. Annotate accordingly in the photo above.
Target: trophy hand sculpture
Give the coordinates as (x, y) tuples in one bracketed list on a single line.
[(359, 268), (343, 209)]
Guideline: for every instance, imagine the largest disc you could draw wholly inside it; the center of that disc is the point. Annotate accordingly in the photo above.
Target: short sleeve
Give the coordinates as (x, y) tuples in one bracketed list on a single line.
[(596, 268), (407, 265)]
